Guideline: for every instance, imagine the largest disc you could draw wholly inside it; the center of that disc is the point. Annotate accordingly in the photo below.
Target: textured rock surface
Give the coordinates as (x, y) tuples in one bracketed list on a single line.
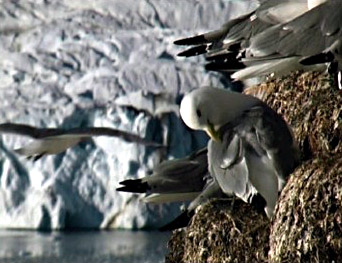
[(312, 107), (307, 222), (103, 63), (218, 234)]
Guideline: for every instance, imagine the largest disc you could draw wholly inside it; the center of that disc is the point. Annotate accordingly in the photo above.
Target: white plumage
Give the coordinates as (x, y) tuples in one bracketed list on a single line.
[(173, 180), (306, 42), (275, 39), (251, 149)]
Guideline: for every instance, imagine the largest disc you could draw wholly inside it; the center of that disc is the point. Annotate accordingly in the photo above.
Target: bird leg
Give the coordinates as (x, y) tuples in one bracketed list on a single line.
[(232, 203)]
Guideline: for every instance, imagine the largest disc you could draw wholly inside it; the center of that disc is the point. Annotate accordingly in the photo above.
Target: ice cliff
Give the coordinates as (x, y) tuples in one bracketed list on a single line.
[(96, 63)]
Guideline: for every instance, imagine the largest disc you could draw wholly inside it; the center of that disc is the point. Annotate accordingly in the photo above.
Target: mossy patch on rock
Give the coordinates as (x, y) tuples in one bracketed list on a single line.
[(176, 247), (307, 226), (218, 234)]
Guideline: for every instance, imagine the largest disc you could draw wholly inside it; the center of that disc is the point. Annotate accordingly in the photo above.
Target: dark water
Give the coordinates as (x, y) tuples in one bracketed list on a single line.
[(83, 247)]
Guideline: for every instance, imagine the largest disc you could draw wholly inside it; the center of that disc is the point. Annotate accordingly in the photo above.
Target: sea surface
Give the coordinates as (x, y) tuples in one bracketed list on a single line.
[(83, 246)]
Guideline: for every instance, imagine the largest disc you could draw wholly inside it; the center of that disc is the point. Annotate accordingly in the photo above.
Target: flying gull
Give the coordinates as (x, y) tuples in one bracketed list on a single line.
[(54, 141), (252, 150)]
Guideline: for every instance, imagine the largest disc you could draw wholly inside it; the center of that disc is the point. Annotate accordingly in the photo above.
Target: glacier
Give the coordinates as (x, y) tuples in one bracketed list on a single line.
[(97, 63)]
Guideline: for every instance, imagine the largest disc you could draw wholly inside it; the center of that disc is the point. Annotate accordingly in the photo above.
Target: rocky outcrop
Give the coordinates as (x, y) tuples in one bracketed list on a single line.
[(307, 222)]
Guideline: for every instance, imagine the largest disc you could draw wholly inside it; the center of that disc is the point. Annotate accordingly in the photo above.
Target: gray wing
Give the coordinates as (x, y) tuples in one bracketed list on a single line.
[(227, 164), (256, 155), (104, 131), (275, 11), (213, 40), (224, 45), (25, 130), (268, 134), (54, 141), (305, 43), (306, 35), (41, 133), (184, 175), (269, 13)]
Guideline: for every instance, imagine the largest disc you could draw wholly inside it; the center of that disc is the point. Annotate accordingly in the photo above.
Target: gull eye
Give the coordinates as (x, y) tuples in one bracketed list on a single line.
[(199, 113)]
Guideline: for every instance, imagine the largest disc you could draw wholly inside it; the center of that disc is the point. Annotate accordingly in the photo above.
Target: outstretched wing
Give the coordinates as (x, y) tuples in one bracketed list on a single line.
[(26, 130), (40, 133), (53, 141)]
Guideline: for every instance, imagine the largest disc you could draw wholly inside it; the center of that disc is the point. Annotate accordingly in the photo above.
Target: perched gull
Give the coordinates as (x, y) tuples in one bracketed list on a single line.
[(53, 141), (275, 39), (252, 149), (172, 180), (223, 45), (185, 179), (307, 41)]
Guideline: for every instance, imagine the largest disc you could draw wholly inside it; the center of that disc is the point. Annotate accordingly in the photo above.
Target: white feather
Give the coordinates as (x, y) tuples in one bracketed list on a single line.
[(168, 198)]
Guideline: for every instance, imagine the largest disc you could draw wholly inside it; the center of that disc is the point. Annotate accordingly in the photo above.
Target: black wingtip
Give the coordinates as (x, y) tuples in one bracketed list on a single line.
[(228, 56), (33, 158), (214, 66), (130, 182), (181, 221), (318, 59), (196, 40), (134, 186), (194, 51), (124, 189), (231, 66)]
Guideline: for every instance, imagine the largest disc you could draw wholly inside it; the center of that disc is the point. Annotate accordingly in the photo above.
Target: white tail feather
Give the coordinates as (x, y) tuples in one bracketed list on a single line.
[(168, 198)]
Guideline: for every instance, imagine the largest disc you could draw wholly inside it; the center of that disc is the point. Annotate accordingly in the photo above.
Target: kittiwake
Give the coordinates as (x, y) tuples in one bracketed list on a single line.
[(172, 180), (252, 149), (308, 42), (184, 179), (54, 141), (222, 46), (277, 38)]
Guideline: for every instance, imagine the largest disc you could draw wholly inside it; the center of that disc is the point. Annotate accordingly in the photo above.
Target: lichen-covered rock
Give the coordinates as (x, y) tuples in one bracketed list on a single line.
[(307, 226), (218, 234), (176, 247), (311, 104)]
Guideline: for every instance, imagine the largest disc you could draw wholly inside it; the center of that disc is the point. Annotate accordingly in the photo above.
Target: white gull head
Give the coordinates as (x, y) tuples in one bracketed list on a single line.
[(210, 108)]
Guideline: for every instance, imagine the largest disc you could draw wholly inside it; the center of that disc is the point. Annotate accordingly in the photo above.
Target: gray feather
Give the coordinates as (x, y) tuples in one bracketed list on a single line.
[(257, 149), (184, 175)]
